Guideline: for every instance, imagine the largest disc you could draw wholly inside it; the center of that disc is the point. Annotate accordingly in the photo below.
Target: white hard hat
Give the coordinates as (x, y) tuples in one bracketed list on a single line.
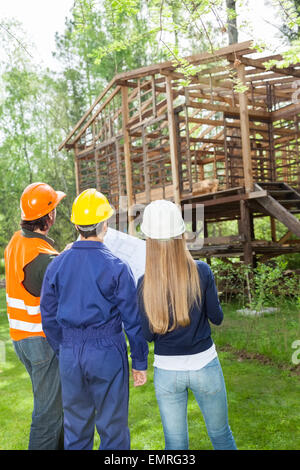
[(162, 220)]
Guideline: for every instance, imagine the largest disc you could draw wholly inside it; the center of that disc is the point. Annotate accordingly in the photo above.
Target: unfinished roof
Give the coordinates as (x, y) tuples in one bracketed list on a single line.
[(150, 135), (213, 79)]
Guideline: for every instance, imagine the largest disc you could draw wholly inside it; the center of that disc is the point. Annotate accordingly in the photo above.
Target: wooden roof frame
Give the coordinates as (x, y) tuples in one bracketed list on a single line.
[(230, 53)]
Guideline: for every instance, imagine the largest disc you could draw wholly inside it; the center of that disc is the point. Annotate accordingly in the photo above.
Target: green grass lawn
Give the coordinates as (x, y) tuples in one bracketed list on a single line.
[(263, 393)]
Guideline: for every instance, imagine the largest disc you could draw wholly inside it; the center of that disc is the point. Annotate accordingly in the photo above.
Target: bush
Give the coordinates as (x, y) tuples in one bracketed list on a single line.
[(266, 285)]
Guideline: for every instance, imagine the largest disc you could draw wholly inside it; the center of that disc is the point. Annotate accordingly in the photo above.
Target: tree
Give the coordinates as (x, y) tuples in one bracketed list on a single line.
[(33, 122), (232, 24)]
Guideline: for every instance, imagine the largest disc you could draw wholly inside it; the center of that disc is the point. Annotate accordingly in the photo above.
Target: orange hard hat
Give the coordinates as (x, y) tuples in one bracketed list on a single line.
[(38, 199)]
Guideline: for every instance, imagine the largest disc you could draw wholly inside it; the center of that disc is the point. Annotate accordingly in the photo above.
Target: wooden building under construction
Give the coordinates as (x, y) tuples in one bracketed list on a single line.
[(228, 139)]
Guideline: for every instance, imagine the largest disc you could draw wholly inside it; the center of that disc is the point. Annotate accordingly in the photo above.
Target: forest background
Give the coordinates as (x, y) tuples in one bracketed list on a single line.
[(39, 105)]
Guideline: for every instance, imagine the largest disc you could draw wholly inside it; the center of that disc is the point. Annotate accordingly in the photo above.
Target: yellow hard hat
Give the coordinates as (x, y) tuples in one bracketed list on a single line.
[(91, 207)]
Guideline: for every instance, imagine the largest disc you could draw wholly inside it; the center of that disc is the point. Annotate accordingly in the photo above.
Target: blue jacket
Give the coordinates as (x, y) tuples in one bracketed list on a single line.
[(87, 287), (196, 337)]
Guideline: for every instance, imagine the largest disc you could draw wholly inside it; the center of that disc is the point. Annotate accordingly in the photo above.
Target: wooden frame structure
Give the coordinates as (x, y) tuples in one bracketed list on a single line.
[(150, 135)]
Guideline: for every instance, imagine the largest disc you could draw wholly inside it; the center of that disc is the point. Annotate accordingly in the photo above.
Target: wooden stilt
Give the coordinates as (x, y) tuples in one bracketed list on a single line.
[(245, 229), (173, 142), (128, 172), (245, 133), (76, 170)]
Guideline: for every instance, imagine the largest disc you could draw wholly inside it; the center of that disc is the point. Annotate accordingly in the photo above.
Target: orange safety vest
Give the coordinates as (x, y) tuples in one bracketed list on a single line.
[(23, 308)]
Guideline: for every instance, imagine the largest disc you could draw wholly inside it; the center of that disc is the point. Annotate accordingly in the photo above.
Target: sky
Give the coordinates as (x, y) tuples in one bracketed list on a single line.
[(42, 18)]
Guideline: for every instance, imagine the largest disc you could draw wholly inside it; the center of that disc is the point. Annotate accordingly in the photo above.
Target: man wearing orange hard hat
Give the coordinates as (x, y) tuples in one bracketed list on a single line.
[(27, 256)]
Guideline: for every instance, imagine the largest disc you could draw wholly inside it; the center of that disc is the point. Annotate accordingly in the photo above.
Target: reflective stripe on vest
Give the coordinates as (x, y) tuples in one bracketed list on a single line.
[(20, 304), (25, 326)]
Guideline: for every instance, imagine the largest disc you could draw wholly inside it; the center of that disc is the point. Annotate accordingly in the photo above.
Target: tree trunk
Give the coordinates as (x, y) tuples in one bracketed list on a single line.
[(232, 24)]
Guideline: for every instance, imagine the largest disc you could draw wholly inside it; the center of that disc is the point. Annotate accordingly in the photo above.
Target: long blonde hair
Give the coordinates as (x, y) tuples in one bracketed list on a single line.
[(171, 284)]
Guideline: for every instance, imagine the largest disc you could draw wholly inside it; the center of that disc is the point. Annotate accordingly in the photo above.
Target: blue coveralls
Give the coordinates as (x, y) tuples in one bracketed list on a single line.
[(87, 294)]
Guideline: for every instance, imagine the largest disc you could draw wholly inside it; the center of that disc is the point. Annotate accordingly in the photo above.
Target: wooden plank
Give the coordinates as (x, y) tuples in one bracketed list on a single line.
[(146, 168), (285, 112), (245, 230), (245, 132), (76, 166), (243, 47), (81, 121), (279, 212), (128, 171), (154, 111), (258, 64), (285, 237), (224, 240), (118, 163), (173, 141), (231, 110), (98, 187)]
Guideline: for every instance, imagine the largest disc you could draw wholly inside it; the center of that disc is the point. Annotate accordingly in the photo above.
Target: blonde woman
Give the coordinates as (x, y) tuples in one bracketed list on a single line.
[(178, 298)]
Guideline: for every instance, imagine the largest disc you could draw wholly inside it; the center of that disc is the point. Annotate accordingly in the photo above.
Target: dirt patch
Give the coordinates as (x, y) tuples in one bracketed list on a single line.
[(243, 355)]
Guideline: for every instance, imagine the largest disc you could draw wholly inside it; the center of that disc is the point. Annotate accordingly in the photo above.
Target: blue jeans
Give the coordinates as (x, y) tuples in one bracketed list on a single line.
[(208, 387), (46, 432)]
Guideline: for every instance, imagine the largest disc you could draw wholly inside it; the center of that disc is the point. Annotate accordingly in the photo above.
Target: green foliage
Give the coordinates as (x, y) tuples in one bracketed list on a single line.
[(272, 287), (267, 285), (33, 123)]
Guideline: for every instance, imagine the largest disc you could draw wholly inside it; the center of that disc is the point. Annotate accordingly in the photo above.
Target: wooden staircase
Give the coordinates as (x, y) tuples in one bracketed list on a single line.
[(281, 202)]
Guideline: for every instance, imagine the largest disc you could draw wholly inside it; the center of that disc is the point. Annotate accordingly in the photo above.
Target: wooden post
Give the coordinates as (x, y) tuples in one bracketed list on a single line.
[(245, 229), (97, 171), (188, 144), (146, 168), (128, 172), (119, 168), (245, 133), (154, 110), (173, 142), (273, 229), (76, 169)]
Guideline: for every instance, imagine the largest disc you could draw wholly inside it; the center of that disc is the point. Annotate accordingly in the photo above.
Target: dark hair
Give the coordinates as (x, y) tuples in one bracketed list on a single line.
[(42, 223), (95, 230), (85, 234)]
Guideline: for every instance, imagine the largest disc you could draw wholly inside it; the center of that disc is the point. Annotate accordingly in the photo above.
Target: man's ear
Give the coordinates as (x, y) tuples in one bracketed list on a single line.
[(52, 217), (105, 226)]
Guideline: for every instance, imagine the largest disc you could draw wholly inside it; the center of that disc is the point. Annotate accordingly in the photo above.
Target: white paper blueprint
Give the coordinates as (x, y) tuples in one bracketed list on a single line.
[(127, 248)]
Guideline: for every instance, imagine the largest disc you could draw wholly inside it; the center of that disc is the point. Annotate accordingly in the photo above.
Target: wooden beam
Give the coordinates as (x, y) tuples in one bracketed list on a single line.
[(76, 166), (245, 230), (173, 141), (286, 112), (224, 240), (258, 63), (273, 229), (81, 121), (146, 167), (241, 48), (275, 209), (285, 237), (98, 185), (245, 132), (231, 110), (128, 172)]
